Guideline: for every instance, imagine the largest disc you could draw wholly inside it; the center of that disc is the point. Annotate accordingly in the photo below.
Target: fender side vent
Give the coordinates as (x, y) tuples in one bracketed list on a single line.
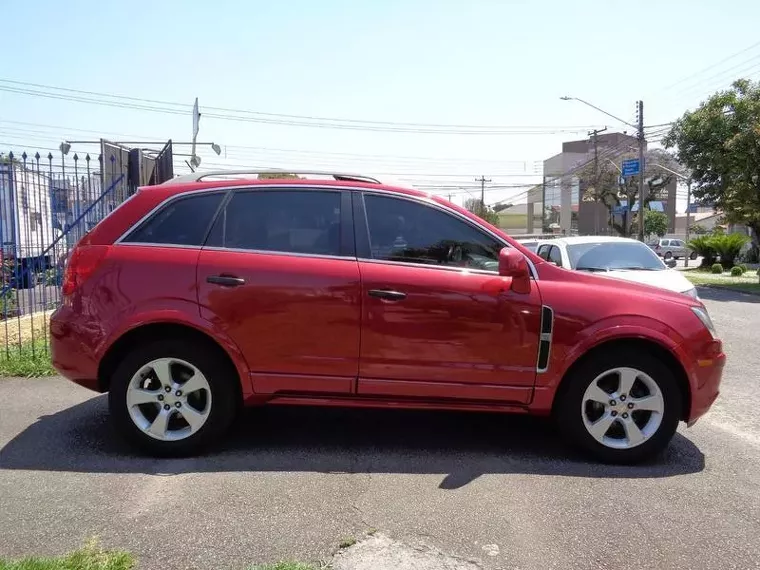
[(545, 340)]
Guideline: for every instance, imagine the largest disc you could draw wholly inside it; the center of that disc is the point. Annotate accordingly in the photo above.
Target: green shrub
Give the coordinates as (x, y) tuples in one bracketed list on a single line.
[(703, 246), (716, 268), (8, 304), (728, 247), (736, 271), (742, 267)]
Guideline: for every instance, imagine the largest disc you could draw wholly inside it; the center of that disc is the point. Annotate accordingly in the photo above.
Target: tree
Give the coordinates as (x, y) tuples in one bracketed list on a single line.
[(720, 143), (605, 185), (478, 208), (655, 223)]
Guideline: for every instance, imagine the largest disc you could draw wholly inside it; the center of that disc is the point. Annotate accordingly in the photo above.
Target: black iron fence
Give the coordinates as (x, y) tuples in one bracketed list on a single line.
[(47, 203)]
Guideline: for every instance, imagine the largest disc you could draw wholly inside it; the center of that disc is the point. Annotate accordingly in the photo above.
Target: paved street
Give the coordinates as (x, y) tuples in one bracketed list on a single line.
[(294, 482)]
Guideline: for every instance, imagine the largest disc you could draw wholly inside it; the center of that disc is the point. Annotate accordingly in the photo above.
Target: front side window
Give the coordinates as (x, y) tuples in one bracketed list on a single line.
[(184, 221), (403, 230), (555, 256), (288, 221), (543, 252)]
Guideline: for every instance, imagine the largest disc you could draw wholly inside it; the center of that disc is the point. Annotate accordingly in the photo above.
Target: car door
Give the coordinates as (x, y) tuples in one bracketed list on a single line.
[(279, 276), (437, 319)]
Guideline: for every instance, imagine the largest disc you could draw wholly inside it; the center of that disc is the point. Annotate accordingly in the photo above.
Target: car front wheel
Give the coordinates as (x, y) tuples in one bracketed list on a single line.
[(172, 398), (621, 407)]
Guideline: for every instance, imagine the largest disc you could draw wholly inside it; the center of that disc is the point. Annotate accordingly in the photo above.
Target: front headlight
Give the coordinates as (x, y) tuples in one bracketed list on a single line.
[(706, 320), (692, 293)]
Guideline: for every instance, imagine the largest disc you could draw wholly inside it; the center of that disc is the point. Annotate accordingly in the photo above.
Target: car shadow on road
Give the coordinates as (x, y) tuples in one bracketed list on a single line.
[(726, 295), (462, 446)]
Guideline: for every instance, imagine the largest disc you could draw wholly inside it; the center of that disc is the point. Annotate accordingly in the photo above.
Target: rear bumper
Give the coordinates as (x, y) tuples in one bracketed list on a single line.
[(71, 348), (707, 374)]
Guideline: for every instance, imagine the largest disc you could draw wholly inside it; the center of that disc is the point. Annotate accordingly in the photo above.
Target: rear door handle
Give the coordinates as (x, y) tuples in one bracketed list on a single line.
[(225, 280), (387, 294)]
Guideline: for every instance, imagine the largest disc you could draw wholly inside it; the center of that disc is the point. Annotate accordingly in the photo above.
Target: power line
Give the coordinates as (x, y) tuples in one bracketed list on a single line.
[(709, 67), (153, 105)]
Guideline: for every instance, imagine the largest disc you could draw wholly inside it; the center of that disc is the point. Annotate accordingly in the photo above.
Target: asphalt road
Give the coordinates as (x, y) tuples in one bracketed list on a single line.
[(292, 483)]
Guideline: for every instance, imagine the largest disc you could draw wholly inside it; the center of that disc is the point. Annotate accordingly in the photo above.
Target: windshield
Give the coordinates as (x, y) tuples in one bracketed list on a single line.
[(613, 256)]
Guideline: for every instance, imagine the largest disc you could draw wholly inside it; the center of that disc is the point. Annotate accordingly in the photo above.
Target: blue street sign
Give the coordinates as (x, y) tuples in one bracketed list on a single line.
[(631, 167)]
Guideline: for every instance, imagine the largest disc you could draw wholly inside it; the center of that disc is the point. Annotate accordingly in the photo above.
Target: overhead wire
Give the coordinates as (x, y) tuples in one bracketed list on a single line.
[(153, 105)]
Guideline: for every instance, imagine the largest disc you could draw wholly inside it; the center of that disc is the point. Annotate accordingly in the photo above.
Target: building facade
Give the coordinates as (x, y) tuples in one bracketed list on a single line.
[(560, 198)]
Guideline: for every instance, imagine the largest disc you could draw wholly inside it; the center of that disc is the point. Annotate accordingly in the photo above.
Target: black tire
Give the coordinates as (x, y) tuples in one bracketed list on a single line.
[(222, 379), (668, 255), (693, 255), (569, 417)]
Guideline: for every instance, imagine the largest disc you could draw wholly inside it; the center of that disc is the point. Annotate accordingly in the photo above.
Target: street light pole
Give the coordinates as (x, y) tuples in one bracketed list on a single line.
[(688, 221), (642, 197)]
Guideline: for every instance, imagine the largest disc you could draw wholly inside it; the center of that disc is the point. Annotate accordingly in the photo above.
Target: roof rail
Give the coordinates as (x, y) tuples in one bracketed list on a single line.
[(199, 176)]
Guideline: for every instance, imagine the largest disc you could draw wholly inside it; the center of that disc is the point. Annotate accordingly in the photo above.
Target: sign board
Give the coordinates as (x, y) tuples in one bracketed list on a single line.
[(631, 167), (196, 118)]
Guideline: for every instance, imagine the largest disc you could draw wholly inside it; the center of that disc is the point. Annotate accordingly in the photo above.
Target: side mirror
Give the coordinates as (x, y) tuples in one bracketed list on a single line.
[(512, 264)]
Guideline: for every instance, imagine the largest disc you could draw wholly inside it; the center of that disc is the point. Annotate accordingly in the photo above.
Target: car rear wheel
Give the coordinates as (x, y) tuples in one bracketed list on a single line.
[(621, 407), (172, 398), (693, 255)]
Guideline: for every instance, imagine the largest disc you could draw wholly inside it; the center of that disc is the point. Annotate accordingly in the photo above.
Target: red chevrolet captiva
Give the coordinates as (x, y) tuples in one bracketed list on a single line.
[(214, 291)]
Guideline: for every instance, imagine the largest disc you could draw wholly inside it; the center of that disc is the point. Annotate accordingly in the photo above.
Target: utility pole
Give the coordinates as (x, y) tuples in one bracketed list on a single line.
[(482, 181), (642, 197), (688, 217), (593, 134)]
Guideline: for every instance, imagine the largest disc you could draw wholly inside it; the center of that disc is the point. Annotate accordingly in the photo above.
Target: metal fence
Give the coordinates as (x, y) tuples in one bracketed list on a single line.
[(47, 203)]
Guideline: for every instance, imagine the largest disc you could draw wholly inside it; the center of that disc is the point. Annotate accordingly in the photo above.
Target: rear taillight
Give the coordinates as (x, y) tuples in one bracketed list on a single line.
[(82, 263)]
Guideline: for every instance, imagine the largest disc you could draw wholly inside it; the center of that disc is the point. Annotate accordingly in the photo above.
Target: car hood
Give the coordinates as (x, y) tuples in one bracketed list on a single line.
[(669, 279)]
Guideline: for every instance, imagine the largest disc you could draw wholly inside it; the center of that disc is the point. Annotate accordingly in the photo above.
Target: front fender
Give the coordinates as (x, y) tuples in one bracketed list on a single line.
[(568, 348)]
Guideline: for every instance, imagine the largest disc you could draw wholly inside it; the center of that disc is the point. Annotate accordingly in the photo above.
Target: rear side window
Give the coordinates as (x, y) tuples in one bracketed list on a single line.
[(289, 221), (184, 221), (543, 252)]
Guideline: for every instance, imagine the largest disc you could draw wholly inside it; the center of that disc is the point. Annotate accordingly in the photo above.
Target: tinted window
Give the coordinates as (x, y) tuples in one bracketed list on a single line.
[(555, 256), (183, 221), (613, 256), (401, 230), (665, 242), (293, 221), (675, 243), (543, 251)]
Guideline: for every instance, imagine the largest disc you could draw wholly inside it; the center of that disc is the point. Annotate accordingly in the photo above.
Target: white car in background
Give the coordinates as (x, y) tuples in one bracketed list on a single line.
[(620, 258)]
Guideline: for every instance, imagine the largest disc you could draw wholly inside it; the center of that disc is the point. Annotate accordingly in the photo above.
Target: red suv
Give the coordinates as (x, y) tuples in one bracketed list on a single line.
[(196, 297)]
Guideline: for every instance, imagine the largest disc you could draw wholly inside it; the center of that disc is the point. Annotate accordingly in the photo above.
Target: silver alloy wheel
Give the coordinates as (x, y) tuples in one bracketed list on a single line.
[(622, 408), (169, 399)]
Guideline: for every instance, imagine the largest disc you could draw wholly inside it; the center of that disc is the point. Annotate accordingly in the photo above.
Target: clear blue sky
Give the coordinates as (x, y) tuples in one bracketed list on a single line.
[(479, 62)]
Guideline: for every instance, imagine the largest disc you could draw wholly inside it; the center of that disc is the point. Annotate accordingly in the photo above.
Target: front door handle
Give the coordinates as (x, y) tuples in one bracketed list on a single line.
[(225, 280), (387, 294)]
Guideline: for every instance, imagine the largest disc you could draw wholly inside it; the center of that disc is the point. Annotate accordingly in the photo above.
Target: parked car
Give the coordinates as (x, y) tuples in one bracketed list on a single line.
[(529, 244), (620, 258), (198, 296), (675, 248)]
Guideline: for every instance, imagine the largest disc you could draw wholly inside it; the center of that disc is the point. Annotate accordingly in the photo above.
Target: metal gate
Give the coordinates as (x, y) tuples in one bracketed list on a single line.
[(46, 205)]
